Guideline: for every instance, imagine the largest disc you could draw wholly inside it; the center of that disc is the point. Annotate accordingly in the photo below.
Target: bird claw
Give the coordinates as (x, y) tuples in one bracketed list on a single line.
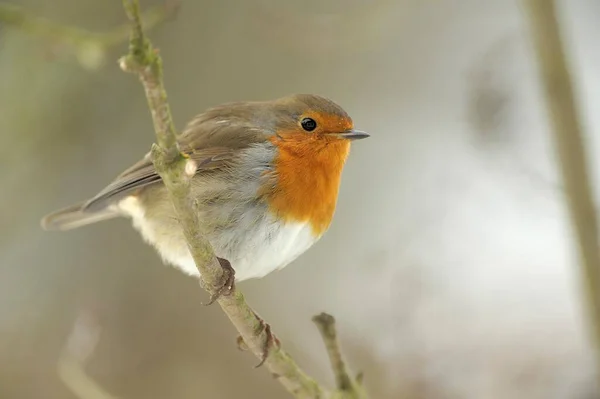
[(226, 283), (270, 342)]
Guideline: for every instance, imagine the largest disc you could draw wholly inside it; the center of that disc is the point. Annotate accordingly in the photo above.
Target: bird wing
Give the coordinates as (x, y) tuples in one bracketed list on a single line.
[(209, 140), (143, 174)]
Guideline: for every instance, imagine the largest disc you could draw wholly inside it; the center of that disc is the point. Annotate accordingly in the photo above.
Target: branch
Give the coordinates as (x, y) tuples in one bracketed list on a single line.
[(347, 386), (568, 139), (90, 48), (81, 344), (170, 164), (79, 383)]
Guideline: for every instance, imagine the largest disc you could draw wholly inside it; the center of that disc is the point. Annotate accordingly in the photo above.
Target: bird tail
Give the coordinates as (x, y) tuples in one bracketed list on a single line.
[(75, 216)]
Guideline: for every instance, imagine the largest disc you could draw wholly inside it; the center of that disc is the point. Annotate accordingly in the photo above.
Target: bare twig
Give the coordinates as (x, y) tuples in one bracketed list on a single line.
[(569, 142), (350, 387), (90, 48), (170, 164)]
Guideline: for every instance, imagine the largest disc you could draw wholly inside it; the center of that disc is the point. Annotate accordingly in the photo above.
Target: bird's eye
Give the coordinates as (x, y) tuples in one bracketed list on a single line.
[(308, 124)]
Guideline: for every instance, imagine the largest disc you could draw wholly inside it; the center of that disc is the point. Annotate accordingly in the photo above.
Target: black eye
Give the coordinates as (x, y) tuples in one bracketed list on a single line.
[(308, 124)]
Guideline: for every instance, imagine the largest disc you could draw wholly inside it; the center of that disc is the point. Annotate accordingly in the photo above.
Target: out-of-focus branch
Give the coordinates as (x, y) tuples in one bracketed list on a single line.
[(172, 166), (90, 48), (567, 131), (347, 386), (79, 383), (80, 346)]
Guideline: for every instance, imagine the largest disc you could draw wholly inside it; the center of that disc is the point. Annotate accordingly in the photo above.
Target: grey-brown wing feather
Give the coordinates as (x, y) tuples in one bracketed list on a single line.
[(143, 174), (212, 140)]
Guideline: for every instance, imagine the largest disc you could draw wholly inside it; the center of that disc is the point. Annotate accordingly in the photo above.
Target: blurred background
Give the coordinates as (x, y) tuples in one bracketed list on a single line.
[(450, 265)]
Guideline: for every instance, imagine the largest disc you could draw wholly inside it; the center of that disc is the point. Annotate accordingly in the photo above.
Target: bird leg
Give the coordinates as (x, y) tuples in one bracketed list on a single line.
[(271, 340), (226, 283)]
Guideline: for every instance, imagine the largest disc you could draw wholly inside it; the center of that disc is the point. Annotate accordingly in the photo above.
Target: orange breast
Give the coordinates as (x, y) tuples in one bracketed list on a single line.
[(308, 180)]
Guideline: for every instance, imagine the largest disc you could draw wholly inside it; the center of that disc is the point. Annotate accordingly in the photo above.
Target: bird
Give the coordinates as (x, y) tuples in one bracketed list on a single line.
[(265, 185)]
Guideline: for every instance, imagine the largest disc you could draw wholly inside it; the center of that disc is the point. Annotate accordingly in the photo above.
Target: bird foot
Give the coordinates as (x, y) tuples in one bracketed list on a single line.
[(271, 340), (226, 283)]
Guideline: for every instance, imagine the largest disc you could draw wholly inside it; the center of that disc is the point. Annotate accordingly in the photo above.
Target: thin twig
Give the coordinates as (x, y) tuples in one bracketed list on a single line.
[(567, 132), (344, 383), (89, 47)]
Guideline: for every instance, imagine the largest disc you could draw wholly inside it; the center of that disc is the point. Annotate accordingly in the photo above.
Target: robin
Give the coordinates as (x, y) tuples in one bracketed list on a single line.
[(265, 187)]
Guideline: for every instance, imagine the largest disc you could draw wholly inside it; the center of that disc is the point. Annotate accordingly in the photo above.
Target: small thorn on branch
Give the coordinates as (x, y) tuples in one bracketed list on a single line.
[(241, 344), (359, 377)]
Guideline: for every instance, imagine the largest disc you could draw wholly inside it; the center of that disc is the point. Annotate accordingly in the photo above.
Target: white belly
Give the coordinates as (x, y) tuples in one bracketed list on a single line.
[(262, 257), (265, 247)]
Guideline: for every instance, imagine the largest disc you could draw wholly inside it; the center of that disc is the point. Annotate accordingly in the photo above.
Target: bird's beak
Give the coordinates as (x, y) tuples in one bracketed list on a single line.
[(353, 135)]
